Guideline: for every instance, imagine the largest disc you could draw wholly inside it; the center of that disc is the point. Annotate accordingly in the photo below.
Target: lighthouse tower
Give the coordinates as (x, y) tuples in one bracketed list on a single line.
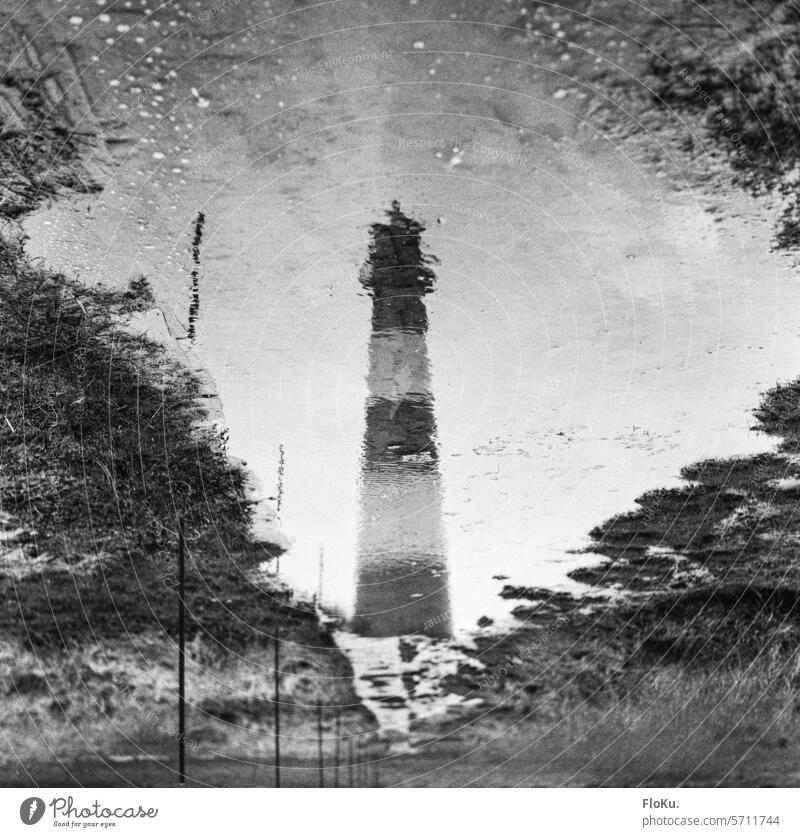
[(401, 563)]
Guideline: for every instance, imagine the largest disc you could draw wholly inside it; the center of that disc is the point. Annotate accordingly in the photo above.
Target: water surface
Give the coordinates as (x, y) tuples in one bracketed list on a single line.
[(595, 322)]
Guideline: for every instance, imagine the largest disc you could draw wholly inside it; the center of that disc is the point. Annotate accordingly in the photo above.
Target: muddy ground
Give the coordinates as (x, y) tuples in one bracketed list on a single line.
[(678, 666)]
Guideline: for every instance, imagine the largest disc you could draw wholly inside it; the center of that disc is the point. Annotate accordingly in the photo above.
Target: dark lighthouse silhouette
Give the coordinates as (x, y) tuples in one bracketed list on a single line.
[(401, 563)]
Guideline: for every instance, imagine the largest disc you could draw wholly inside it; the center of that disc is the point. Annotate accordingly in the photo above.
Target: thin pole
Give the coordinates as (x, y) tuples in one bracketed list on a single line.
[(320, 754), (321, 568), (281, 468), (350, 761), (181, 658), (337, 748), (277, 705)]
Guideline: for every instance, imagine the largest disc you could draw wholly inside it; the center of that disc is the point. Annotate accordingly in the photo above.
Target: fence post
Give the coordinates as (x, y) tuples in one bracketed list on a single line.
[(337, 747), (181, 658), (321, 571), (350, 761), (277, 705), (320, 754)]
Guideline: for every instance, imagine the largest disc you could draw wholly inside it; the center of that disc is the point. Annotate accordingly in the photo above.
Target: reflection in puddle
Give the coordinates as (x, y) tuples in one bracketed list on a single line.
[(401, 560), (194, 306)]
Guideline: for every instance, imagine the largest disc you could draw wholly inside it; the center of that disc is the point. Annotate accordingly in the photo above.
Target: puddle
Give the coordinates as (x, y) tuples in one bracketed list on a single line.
[(592, 327)]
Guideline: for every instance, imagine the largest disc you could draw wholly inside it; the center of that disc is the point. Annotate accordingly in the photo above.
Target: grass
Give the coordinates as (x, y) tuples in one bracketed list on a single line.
[(751, 76), (119, 698), (104, 448), (85, 403), (676, 725), (643, 697), (42, 155), (735, 727), (734, 723)]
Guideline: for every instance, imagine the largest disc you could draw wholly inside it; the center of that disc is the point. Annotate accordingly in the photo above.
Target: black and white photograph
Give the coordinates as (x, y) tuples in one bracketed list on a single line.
[(399, 394)]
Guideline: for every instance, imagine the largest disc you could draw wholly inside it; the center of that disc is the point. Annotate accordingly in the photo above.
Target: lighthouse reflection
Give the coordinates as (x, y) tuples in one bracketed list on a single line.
[(401, 562)]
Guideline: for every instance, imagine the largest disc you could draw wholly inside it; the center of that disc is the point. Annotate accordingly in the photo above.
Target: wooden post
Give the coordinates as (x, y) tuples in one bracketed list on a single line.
[(281, 468), (181, 658), (337, 748), (350, 761), (320, 754), (321, 569), (194, 306), (277, 705)]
